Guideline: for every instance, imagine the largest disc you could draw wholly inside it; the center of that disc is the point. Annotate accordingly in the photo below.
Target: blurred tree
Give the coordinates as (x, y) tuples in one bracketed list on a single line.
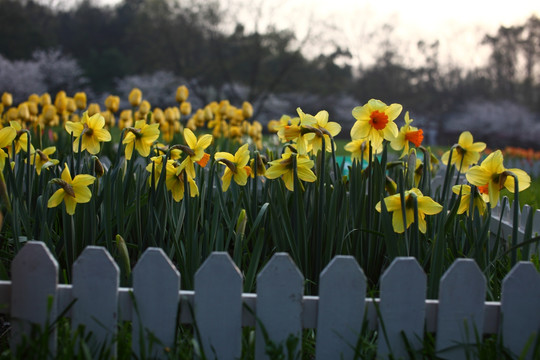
[(25, 27)]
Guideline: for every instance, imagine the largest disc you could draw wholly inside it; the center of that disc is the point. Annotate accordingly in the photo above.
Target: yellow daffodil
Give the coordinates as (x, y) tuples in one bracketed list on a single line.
[(426, 206), (41, 157), (21, 139), (237, 167), (491, 172), (465, 201), (72, 191), (466, 153), (90, 132), (141, 137), (407, 134), (174, 181), (327, 130), (195, 150), (301, 131), (375, 121), (7, 135), (359, 149), (284, 168)]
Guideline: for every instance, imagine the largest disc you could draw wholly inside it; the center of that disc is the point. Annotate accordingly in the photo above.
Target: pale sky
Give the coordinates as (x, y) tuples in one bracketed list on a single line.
[(459, 25)]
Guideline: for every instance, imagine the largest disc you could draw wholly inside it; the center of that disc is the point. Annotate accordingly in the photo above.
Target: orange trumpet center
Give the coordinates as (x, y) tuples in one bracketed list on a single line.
[(415, 137), (378, 120)]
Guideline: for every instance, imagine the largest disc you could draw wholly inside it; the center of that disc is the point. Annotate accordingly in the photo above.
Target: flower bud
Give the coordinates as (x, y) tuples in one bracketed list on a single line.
[(60, 102), (33, 98), (182, 94), (185, 108), (112, 103), (80, 100), (144, 108), (7, 99), (93, 108), (49, 113), (247, 110), (135, 97), (45, 99), (159, 116), (71, 106), (23, 112)]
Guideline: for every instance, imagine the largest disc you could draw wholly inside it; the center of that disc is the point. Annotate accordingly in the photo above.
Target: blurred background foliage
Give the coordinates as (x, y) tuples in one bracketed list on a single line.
[(158, 44)]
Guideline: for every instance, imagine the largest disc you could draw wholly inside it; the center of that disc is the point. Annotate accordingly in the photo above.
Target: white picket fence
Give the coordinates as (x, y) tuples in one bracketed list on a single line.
[(220, 309)]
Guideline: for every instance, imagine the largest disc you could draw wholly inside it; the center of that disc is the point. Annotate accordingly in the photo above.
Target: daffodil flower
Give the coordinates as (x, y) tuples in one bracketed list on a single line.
[(41, 157), (327, 130), (20, 140), (141, 137), (465, 201), (407, 134), (493, 173), (195, 150), (175, 181), (301, 131), (359, 149), (236, 166), (72, 191), (426, 206), (466, 153), (375, 121), (7, 135), (90, 131), (284, 168)]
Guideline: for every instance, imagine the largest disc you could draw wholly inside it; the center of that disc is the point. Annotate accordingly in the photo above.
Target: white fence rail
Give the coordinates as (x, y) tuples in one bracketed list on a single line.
[(220, 309)]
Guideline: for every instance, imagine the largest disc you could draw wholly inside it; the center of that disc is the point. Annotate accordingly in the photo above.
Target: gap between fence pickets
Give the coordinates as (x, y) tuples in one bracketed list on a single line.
[(309, 313)]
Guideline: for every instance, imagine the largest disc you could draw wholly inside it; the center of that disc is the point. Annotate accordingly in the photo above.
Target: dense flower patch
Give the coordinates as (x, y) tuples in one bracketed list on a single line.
[(194, 181)]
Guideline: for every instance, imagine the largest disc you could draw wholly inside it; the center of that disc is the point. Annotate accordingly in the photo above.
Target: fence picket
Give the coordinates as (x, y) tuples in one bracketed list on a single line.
[(280, 288), (95, 287), (156, 290), (218, 307), (462, 294), (342, 293), (34, 276), (402, 308), (520, 307)]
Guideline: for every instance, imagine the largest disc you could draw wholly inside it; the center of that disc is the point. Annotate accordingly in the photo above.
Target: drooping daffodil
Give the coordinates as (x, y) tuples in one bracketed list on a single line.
[(426, 206)]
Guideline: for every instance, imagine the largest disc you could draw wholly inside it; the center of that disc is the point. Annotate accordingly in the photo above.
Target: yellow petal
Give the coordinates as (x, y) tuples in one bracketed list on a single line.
[(478, 176), (524, 180), (226, 179), (288, 179), (224, 155), (305, 174), (83, 180), (428, 206), (102, 135), (7, 135), (56, 198), (66, 175), (465, 139), (82, 194), (204, 141), (360, 130), (393, 111), (190, 138), (75, 128), (70, 204)]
